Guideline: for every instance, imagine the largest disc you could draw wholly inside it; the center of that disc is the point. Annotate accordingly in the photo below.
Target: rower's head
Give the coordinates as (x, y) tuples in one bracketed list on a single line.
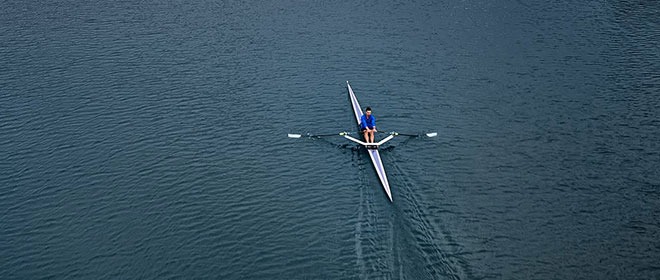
[(368, 111)]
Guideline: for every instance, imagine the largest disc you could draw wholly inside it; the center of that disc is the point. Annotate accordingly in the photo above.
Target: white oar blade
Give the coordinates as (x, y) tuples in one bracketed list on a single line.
[(432, 134), (294, 135)]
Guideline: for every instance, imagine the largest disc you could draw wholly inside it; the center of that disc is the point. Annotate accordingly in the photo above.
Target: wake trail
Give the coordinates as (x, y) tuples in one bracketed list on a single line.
[(434, 243), (373, 235)]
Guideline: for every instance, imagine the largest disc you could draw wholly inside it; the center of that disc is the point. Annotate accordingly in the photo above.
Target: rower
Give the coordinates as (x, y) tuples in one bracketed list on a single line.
[(368, 126)]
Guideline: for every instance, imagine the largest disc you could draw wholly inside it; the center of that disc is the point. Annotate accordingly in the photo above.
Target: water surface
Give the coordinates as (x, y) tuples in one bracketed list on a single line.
[(148, 139)]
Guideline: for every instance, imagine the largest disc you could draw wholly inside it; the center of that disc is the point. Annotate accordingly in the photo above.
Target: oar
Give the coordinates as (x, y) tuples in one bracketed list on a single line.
[(292, 135), (428, 134)]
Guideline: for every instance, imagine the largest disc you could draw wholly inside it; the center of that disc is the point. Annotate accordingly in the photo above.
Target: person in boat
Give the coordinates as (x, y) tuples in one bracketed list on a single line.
[(368, 125)]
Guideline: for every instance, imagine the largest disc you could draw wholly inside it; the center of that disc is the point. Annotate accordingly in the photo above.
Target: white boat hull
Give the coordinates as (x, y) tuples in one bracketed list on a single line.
[(373, 153)]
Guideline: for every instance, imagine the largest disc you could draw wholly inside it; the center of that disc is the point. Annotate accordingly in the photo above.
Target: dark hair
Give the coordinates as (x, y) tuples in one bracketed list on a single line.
[(368, 109)]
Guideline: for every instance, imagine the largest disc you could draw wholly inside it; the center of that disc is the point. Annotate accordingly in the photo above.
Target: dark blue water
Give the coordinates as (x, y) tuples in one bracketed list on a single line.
[(147, 139)]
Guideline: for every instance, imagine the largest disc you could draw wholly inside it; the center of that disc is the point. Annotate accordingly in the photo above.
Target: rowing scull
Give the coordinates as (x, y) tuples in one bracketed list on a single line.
[(373, 152)]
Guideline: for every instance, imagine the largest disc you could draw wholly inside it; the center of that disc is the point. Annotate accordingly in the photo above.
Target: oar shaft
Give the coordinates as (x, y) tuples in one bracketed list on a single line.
[(323, 135), (406, 134), (396, 133), (428, 134)]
